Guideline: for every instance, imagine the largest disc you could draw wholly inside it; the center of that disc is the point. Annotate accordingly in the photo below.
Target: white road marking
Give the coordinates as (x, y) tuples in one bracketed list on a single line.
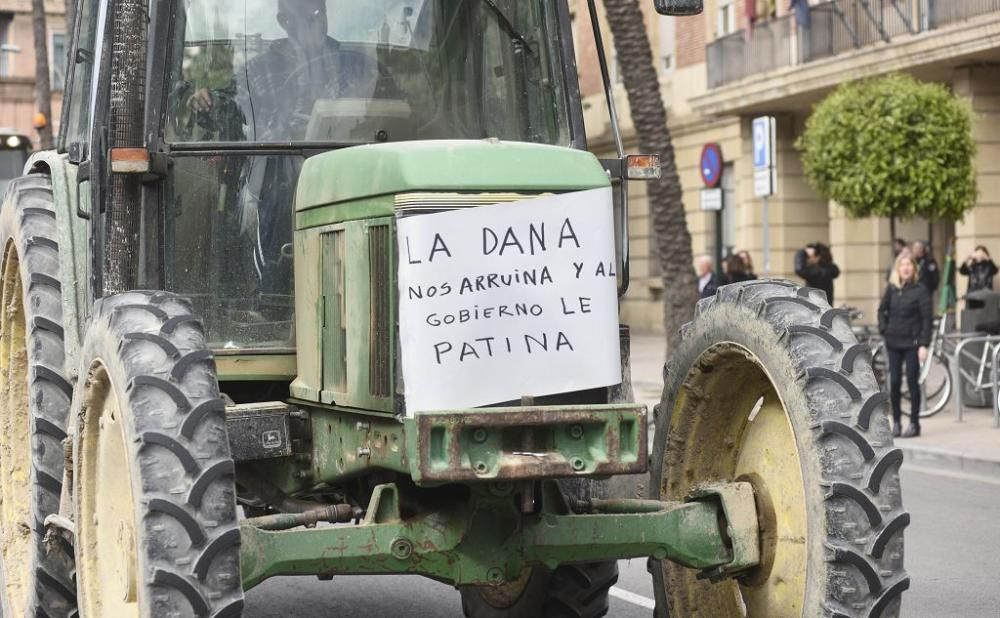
[(954, 474), (631, 597)]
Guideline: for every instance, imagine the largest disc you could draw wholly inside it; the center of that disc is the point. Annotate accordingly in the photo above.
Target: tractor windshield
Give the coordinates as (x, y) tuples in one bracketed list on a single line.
[(343, 71)]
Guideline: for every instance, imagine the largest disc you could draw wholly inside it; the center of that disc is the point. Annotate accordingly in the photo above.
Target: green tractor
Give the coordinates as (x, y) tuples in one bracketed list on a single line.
[(326, 287)]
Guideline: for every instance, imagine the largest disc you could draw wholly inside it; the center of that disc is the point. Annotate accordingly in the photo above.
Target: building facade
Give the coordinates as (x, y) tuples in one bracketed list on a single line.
[(17, 63), (746, 58)]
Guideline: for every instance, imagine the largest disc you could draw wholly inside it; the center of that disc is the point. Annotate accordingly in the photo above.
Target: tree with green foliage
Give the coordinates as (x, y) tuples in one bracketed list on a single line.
[(892, 147)]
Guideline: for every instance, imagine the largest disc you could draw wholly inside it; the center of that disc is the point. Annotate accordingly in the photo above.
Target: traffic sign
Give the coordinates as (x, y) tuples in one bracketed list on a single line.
[(711, 199), (762, 142), (763, 156), (763, 182), (711, 165)]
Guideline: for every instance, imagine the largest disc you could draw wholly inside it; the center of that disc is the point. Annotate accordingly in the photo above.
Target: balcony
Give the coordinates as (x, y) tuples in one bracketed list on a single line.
[(737, 55), (835, 27)]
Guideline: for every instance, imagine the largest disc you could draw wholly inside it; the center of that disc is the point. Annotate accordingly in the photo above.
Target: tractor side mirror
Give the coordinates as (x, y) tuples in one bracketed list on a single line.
[(678, 7)]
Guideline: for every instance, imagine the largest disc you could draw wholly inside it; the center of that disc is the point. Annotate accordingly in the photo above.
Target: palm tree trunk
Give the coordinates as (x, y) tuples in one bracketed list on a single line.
[(43, 89), (642, 85)]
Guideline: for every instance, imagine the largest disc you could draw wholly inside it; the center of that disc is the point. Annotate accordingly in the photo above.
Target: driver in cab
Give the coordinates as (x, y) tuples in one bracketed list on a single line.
[(283, 84)]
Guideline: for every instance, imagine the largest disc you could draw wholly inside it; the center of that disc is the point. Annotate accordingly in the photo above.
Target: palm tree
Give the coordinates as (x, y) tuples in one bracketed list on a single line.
[(43, 89), (642, 85)]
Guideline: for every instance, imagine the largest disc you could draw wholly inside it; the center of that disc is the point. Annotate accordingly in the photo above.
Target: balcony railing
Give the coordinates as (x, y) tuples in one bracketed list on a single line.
[(943, 12), (835, 26), (841, 25), (737, 55)]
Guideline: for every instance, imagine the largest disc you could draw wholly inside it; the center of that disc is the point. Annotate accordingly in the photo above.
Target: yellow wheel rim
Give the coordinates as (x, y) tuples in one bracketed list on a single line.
[(106, 539), (769, 459), (732, 425), (16, 538)]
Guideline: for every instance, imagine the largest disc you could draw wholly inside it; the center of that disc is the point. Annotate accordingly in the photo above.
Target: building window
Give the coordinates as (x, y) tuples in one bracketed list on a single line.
[(727, 17), (57, 60), (6, 49)]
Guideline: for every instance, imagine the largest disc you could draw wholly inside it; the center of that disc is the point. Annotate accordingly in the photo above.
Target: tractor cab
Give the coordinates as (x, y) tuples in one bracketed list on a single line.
[(253, 88)]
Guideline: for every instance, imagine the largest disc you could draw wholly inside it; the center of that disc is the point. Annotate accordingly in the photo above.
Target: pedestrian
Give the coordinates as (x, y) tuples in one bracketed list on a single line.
[(736, 270), (708, 283), (980, 269), (747, 263), (904, 321), (899, 246), (927, 268), (814, 263)]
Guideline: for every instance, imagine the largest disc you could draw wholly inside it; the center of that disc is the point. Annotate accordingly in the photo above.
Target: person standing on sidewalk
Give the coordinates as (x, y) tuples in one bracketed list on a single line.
[(905, 322), (708, 283), (927, 268), (736, 270), (980, 269), (747, 263), (814, 263)]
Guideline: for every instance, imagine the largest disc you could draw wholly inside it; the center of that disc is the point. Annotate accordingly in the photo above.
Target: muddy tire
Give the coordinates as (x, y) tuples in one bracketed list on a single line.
[(770, 386), (571, 591), (36, 400), (154, 490)]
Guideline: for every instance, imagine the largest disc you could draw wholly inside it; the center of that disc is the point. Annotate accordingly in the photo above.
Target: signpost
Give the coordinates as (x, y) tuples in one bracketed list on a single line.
[(712, 195), (764, 173)]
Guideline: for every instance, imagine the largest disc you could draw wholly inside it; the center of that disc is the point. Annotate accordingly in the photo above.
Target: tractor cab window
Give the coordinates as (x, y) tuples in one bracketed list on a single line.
[(344, 71), (334, 72)]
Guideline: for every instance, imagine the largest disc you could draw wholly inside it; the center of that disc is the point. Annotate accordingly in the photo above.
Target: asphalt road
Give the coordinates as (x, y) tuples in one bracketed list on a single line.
[(952, 555)]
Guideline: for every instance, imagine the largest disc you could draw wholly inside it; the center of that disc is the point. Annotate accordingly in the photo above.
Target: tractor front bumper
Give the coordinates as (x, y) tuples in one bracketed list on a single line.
[(527, 442)]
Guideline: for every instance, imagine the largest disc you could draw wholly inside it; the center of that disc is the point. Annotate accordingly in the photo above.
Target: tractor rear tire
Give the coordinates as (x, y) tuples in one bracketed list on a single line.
[(770, 386), (37, 576), (156, 520), (570, 591)]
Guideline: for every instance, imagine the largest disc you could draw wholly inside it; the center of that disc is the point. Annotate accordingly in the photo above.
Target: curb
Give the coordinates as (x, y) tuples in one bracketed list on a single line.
[(941, 459)]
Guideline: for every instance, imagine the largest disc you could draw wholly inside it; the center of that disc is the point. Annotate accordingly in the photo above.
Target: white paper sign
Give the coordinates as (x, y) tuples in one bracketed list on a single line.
[(711, 199), (499, 302)]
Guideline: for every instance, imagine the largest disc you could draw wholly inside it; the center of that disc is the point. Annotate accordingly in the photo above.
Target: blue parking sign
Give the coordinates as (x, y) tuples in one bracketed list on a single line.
[(762, 142)]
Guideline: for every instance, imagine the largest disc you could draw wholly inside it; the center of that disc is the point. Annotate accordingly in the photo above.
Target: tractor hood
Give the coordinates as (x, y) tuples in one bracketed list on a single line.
[(364, 172)]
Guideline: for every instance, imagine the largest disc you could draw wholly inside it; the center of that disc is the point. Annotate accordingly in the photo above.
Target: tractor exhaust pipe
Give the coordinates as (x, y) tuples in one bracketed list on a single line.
[(123, 216)]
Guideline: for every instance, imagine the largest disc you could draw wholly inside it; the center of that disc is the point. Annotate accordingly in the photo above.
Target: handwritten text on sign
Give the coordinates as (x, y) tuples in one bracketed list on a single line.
[(497, 302)]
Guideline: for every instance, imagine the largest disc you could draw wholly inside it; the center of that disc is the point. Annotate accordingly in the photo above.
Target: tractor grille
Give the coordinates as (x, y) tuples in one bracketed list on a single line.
[(380, 331)]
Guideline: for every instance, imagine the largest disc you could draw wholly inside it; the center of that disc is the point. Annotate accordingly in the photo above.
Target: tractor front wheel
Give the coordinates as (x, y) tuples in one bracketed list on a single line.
[(153, 483), (770, 386)]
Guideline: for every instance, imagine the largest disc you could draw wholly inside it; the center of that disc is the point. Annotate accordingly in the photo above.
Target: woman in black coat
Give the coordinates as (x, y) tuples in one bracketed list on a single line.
[(980, 269), (904, 320), (815, 265), (736, 270)]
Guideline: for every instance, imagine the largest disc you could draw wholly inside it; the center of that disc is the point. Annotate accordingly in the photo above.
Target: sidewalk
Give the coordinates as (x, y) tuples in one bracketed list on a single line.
[(970, 447)]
